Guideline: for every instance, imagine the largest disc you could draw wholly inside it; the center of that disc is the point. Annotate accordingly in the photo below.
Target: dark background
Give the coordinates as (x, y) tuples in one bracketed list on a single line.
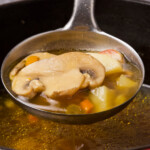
[(127, 20)]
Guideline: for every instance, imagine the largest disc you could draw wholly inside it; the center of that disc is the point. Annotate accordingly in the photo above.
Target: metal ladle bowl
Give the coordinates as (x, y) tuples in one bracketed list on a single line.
[(80, 33)]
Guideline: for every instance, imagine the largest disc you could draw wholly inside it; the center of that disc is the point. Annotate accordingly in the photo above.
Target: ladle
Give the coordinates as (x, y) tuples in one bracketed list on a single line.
[(81, 32)]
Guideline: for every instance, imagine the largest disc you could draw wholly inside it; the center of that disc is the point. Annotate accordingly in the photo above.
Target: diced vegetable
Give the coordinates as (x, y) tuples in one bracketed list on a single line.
[(125, 82), (96, 102), (114, 54), (106, 96), (86, 106), (103, 92), (32, 119), (120, 99), (31, 59), (73, 109), (111, 65)]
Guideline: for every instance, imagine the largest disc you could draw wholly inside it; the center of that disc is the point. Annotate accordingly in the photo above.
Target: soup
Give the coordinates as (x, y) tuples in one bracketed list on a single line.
[(20, 130), (75, 82)]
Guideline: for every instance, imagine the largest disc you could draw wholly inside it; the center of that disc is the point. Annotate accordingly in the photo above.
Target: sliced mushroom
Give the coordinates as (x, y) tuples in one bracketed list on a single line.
[(62, 75), (22, 63), (91, 68), (29, 88), (64, 84), (16, 69)]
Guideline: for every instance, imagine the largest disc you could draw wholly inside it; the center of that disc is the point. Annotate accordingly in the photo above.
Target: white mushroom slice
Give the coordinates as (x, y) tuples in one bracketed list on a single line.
[(16, 69), (91, 68), (63, 84), (21, 64), (36, 85), (29, 89), (62, 75), (55, 83)]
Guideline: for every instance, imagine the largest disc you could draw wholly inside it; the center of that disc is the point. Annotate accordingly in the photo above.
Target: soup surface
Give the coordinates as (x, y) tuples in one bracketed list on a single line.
[(75, 82)]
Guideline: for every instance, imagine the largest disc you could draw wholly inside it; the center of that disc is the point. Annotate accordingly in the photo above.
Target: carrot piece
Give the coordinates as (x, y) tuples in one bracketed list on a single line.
[(32, 119), (86, 105), (31, 59), (109, 51)]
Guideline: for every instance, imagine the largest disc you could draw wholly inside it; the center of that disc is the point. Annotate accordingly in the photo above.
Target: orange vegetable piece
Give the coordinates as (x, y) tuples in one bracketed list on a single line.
[(86, 105), (32, 119), (31, 59), (109, 51)]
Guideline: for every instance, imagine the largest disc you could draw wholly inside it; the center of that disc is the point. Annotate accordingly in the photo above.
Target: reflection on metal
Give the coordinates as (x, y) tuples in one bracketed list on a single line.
[(147, 2), (8, 1)]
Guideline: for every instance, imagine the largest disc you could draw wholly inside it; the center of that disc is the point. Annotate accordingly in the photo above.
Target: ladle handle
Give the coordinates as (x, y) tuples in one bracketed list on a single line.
[(83, 16)]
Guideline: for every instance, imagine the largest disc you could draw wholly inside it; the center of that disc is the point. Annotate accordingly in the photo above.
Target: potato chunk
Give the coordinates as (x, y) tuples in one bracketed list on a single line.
[(106, 97), (111, 65), (125, 82), (114, 54)]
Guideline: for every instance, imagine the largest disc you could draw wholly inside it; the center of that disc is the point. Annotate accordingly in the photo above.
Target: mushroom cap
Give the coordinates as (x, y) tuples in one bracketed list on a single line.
[(21, 64), (62, 75)]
